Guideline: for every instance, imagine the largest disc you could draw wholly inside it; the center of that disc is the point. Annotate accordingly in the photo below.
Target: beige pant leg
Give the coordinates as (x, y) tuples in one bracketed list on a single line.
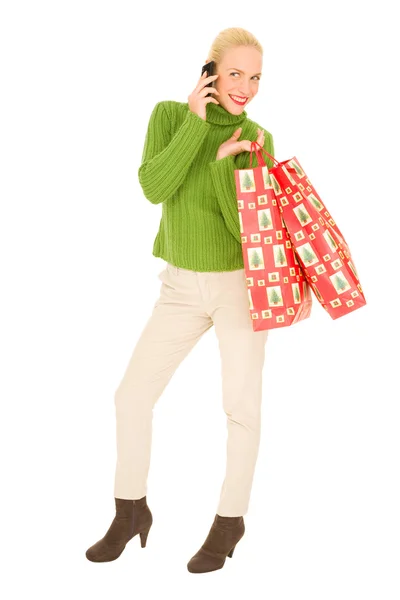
[(177, 323)]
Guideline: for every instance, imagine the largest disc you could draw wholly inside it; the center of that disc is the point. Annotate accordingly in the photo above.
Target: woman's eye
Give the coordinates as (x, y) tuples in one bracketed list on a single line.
[(235, 73)]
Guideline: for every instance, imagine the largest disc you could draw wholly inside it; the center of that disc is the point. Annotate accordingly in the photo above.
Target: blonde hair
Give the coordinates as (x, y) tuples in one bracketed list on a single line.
[(231, 38)]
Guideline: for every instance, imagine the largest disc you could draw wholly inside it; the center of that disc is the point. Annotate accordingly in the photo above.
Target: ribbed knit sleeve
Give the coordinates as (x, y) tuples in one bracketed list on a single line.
[(166, 159), (223, 178)]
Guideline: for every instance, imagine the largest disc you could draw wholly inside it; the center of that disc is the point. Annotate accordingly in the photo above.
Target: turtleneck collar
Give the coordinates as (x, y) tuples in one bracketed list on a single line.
[(215, 113), (219, 115)]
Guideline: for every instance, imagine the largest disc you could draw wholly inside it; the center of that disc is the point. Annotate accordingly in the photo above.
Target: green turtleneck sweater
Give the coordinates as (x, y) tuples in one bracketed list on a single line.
[(199, 227)]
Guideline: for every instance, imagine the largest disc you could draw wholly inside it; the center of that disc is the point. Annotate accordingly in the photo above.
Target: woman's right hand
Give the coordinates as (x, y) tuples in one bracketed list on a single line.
[(197, 100)]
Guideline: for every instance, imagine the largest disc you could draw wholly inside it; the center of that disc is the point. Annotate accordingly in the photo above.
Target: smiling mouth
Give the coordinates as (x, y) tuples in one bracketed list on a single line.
[(238, 99)]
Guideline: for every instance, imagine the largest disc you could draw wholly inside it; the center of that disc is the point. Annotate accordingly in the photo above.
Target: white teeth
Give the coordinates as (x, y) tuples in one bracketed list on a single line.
[(239, 99)]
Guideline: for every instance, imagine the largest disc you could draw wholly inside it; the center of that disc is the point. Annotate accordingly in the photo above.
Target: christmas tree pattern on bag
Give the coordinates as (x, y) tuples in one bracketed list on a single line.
[(277, 289), (322, 250), (247, 183)]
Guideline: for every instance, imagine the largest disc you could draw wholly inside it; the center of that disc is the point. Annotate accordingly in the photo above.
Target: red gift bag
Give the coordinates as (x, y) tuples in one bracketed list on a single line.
[(279, 294), (320, 246)]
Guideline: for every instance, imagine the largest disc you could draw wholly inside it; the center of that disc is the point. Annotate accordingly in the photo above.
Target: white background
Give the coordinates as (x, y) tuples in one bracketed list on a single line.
[(78, 282)]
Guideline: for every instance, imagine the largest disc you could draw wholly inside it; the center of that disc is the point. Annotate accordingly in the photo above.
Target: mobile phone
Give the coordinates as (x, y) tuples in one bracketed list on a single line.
[(209, 67)]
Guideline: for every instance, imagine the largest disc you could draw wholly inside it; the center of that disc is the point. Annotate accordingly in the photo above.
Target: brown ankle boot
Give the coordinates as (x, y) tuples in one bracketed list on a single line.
[(222, 538), (132, 517)]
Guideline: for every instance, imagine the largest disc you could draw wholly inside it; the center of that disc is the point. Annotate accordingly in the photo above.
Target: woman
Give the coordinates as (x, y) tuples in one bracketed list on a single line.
[(190, 154)]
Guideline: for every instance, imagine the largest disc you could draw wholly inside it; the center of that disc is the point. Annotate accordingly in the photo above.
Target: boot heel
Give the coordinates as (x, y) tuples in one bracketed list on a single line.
[(143, 538), (231, 552)]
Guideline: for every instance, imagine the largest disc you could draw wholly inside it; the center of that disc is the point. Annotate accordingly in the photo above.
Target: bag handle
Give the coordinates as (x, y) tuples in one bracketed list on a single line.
[(259, 156)]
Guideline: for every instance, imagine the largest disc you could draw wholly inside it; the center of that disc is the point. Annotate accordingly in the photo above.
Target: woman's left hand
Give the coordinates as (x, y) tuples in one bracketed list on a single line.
[(233, 146)]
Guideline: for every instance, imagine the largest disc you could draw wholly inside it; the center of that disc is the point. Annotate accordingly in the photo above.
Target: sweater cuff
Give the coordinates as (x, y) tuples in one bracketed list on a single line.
[(195, 123)]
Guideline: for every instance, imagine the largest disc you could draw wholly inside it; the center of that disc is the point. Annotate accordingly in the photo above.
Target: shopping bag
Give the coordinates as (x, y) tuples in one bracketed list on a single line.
[(279, 295), (320, 246)]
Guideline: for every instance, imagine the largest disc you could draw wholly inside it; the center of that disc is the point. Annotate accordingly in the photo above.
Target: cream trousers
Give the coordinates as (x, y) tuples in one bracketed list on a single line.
[(189, 304)]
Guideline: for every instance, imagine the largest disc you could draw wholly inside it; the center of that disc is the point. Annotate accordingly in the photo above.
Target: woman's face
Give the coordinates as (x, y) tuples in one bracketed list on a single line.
[(239, 75)]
